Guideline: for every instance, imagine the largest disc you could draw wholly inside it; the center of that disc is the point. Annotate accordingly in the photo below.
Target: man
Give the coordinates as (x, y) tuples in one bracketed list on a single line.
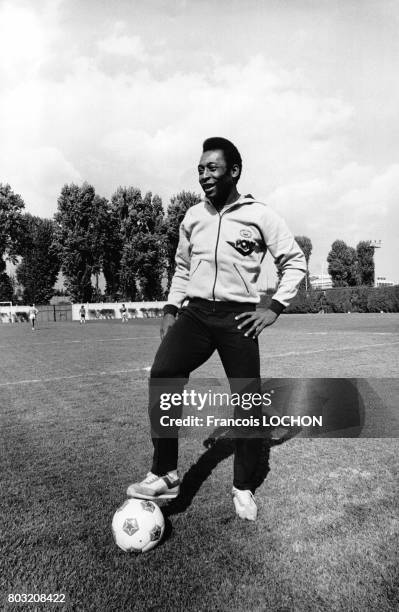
[(32, 315), (82, 312), (223, 241), (124, 313)]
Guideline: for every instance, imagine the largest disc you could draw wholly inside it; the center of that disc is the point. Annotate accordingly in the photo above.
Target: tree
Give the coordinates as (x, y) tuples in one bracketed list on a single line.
[(125, 203), (11, 206), (142, 260), (342, 265), (113, 246), (365, 259), (151, 262), (80, 237), (6, 288), (179, 204), (38, 270), (306, 246)]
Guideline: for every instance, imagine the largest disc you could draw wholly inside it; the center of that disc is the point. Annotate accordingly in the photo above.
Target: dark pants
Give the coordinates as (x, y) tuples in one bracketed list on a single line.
[(201, 328)]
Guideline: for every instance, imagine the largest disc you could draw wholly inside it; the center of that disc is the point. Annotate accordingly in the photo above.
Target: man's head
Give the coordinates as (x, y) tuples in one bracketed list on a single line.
[(219, 168)]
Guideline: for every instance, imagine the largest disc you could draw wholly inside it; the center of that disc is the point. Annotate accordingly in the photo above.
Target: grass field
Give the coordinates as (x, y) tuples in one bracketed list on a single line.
[(74, 435)]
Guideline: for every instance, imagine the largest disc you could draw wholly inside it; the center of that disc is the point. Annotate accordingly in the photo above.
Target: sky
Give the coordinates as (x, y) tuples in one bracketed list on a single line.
[(122, 92)]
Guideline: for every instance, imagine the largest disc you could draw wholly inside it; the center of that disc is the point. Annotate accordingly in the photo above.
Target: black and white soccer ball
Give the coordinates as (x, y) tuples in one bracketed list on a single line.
[(138, 525)]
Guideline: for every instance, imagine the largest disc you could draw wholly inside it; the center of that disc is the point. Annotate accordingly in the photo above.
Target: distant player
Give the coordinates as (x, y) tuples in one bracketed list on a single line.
[(32, 316), (123, 311), (82, 312)]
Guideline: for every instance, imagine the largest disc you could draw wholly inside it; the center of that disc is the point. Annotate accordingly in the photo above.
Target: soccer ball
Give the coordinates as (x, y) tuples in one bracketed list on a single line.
[(138, 525)]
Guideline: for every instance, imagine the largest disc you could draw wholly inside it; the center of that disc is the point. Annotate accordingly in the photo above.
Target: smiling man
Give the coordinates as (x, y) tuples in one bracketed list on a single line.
[(223, 242)]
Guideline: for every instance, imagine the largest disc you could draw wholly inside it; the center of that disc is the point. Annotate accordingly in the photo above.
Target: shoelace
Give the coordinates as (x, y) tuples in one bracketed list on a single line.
[(252, 496)]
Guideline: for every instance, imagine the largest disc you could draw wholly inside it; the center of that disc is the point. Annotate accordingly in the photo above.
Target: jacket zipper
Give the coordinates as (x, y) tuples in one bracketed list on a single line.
[(242, 278), (216, 248), (216, 262)]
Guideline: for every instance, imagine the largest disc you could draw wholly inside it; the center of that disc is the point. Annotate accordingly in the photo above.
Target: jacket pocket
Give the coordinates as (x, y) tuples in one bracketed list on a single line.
[(240, 274), (195, 269)]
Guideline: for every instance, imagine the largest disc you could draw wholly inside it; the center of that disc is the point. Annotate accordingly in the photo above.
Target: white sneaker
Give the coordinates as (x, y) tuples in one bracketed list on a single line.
[(245, 505), (156, 487)]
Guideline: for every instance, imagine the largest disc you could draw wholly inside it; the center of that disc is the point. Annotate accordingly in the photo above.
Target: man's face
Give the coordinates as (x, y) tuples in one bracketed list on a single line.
[(214, 177)]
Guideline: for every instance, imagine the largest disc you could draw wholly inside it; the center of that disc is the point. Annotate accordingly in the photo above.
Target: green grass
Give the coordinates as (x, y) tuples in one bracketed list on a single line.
[(74, 434)]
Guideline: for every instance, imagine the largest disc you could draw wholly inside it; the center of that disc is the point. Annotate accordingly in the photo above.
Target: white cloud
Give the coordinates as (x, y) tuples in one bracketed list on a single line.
[(124, 45), (22, 41), (132, 125), (354, 203), (38, 176), (27, 31)]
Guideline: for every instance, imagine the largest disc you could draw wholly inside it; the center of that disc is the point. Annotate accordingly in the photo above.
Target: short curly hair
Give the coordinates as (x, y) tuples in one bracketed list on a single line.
[(230, 151)]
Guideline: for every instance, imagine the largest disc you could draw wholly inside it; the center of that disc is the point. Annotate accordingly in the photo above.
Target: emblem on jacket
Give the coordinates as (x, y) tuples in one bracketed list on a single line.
[(243, 246)]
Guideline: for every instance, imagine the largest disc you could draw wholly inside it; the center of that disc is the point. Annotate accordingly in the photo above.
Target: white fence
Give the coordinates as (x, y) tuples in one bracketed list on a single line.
[(14, 314), (135, 310), (45, 313)]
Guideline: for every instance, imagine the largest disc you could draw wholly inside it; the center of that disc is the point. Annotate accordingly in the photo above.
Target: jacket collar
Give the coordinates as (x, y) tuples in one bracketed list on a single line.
[(243, 199)]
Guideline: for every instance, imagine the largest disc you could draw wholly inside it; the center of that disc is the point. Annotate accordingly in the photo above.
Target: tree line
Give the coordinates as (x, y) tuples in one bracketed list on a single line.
[(129, 239), (350, 267), (347, 266)]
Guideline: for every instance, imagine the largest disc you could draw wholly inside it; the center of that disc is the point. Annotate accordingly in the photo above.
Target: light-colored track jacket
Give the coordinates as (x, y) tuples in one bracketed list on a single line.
[(219, 254)]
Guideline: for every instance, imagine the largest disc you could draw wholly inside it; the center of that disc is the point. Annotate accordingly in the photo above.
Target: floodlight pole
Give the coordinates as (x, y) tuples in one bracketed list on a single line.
[(374, 244)]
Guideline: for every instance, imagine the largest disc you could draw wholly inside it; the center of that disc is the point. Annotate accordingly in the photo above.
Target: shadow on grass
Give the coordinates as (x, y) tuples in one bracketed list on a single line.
[(338, 400), (219, 447)]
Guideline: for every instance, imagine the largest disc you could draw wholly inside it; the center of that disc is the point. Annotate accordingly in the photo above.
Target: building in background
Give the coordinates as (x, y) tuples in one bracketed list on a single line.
[(383, 281), (320, 281)]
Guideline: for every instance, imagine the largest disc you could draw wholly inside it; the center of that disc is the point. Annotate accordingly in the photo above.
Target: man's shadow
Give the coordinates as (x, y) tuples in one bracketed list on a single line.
[(219, 446), (338, 399)]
